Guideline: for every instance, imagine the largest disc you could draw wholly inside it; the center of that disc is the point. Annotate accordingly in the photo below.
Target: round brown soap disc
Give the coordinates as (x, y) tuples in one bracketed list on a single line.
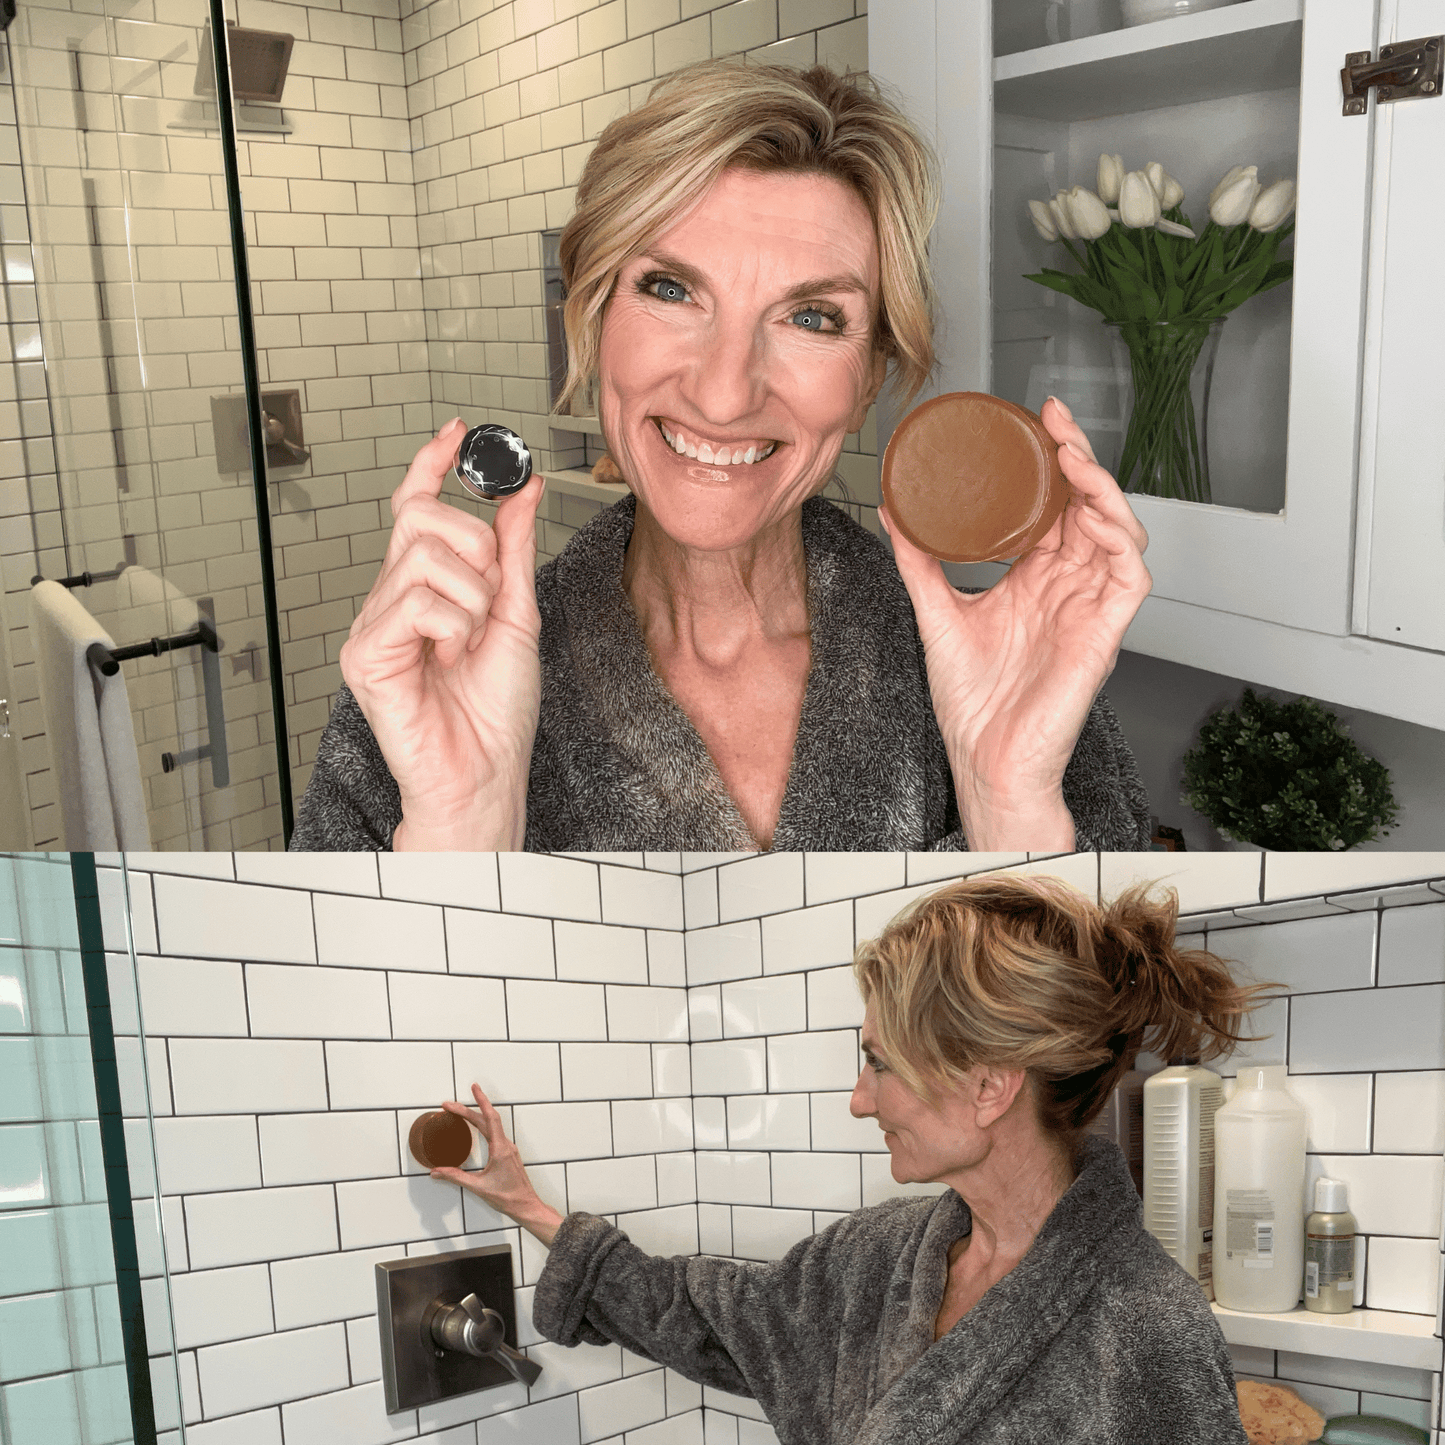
[(440, 1140), (970, 477)]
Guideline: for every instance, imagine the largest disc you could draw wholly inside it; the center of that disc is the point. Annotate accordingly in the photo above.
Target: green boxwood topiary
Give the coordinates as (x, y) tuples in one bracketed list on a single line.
[(1287, 776)]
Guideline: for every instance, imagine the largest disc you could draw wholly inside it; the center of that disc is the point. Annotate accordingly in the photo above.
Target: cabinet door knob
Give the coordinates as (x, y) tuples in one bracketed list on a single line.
[(1405, 70)]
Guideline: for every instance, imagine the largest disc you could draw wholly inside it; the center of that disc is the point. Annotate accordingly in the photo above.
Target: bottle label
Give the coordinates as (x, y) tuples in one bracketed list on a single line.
[(1211, 1097), (1330, 1258), (1249, 1228)]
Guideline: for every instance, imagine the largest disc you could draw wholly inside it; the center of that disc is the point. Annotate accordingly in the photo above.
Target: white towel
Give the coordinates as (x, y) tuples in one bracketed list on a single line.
[(88, 721), (146, 606)]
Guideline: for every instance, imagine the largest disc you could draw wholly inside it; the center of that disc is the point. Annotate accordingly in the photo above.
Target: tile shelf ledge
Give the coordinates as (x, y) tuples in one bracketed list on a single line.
[(1379, 1337), (579, 483)]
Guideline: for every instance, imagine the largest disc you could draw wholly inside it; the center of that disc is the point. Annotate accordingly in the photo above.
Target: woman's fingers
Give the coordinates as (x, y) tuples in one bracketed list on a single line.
[(931, 592), (429, 562), (1126, 564), (1059, 421), (394, 640), (428, 470), (469, 537), (1100, 491), (515, 528)]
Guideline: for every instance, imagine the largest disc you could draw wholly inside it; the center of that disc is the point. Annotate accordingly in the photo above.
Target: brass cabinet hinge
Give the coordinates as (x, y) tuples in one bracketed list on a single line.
[(1406, 69)]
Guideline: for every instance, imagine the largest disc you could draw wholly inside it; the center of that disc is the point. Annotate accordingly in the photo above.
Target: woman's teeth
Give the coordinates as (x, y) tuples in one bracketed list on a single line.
[(723, 456)]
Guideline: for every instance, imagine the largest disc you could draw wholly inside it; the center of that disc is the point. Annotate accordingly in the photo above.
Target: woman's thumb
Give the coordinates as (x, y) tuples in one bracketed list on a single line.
[(922, 574)]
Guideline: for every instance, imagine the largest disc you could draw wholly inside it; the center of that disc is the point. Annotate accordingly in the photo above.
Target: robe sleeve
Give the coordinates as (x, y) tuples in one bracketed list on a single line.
[(351, 802), (769, 1331)]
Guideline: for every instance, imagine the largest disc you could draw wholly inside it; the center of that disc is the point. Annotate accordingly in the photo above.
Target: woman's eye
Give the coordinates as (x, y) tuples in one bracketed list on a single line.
[(666, 289), (810, 319)]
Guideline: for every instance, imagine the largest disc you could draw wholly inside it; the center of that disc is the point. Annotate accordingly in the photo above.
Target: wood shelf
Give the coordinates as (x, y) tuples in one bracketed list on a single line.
[(1380, 1337), (1249, 46)]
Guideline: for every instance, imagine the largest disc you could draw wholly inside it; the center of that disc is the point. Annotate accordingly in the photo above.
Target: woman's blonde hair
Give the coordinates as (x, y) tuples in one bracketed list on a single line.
[(1027, 973), (651, 166)]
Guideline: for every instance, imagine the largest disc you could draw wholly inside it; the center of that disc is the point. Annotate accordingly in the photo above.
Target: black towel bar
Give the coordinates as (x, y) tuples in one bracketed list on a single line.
[(84, 579), (107, 660)]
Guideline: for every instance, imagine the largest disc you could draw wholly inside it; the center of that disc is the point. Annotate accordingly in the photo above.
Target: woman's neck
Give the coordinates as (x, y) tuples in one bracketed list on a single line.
[(1011, 1192), (716, 605)]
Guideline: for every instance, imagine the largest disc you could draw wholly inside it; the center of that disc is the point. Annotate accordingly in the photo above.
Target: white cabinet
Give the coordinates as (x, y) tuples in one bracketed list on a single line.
[(1320, 565)]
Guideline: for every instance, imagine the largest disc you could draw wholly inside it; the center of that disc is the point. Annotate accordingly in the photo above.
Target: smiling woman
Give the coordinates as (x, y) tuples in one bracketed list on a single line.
[(723, 660)]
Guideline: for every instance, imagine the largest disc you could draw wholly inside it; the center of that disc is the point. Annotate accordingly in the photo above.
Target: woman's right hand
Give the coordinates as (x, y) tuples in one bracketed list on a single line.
[(503, 1184), (443, 662)]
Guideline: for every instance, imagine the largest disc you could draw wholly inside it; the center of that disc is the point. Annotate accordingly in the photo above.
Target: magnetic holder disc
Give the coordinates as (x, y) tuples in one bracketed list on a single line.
[(970, 477), (493, 462), (440, 1140)]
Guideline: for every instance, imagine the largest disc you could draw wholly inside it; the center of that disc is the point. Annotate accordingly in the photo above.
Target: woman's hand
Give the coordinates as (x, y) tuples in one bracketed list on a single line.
[(443, 659), (1014, 670), (503, 1184)]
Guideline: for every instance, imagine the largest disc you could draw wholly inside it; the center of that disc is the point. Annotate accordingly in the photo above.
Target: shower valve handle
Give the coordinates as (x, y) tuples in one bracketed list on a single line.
[(470, 1328)]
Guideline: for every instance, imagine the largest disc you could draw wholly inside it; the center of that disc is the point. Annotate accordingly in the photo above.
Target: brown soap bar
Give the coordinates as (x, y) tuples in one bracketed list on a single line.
[(970, 477), (440, 1140)]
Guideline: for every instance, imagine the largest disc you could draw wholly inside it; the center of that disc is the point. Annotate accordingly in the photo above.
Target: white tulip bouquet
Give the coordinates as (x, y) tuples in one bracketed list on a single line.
[(1148, 274)]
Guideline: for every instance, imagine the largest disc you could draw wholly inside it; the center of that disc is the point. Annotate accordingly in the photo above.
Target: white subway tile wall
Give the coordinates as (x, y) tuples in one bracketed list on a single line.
[(705, 1106)]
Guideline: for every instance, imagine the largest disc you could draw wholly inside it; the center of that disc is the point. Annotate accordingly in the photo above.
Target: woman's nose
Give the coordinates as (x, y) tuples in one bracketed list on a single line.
[(727, 381), (860, 1106)]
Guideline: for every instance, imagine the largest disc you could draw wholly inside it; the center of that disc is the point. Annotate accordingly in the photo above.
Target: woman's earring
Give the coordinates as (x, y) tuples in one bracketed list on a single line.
[(493, 462)]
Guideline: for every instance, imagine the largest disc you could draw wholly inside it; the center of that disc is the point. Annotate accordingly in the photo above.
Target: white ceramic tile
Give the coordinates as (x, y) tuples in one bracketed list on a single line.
[(198, 865), (1411, 1412), (1289, 874), (738, 1405), (1284, 911), (671, 1070), (1355, 1375), (552, 1422), (751, 1432), (114, 889), (817, 1181), (873, 913), (606, 1071), (320, 1148), (551, 887), (566, 1371), (879, 1184), (388, 1075), (621, 1405), (835, 1127), (1308, 956), (221, 1304), (769, 884), (1268, 1026), (848, 875), (326, 1287), (1251, 1360), (601, 953), (1403, 1274), (648, 1126), (710, 1123), (699, 899), (264, 1371), (434, 1006), (764, 1006), (663, 862), (392, 1211), (191, 996), (704, 1012), (715, 1229), (806, 1062), (467, 879), (676, 1179), (499, 944), (808, 938), (1203, 881), (730, 1177), (205, 919), (289, 1000), (1389, 1193), (833, 999), (734, 1066), (379, 933), (330, 872), (537, 1010), (1412, 945), (1410, 1112), (258, 1427), (257, 1224), (643, 899), (655, 1014), (767, 1234), (1338, 1110), (682, 1393), (768, 1121), (550, 1133), (358, 1413), (509, 1073), (195, 1155), (732, 950), (1402, 1028), (234, 1076), (666, 959), (605, 1186), (939, 867)]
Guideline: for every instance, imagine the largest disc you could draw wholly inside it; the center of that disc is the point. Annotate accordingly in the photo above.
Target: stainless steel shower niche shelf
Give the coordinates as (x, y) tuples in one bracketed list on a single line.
[(413, 1294)]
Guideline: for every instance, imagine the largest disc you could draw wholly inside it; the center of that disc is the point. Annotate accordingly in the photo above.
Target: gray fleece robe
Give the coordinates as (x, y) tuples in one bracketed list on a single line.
[(618, 765), (1095, 1338)]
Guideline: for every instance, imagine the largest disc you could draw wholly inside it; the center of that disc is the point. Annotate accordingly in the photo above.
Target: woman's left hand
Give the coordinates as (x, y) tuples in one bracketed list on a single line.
[(1014, 670)]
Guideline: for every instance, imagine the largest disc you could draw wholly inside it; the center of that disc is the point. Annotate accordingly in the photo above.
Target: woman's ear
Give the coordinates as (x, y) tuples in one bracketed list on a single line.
[(997, 1090)]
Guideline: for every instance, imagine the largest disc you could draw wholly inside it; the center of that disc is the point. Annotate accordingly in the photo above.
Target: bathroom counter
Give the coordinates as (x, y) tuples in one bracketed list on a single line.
[(1380, 1337)]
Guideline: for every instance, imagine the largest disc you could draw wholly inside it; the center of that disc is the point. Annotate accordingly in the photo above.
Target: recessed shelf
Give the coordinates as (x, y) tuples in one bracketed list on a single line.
[(587, 424), (580, 484), (1381, 1337), (1249, 46)]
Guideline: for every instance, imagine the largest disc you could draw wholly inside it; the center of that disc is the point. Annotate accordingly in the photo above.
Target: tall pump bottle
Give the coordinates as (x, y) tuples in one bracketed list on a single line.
[(1259, 1195), (1121, 1121), (1180, 1103)]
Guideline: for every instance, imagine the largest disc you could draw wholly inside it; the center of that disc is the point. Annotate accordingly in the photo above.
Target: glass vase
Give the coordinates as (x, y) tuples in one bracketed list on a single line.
[(1165, 369)]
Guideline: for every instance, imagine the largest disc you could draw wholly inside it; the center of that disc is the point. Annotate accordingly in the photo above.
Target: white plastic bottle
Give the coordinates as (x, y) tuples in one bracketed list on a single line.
[(1121, 1121), (1259, 1205), (1179, 1109)]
